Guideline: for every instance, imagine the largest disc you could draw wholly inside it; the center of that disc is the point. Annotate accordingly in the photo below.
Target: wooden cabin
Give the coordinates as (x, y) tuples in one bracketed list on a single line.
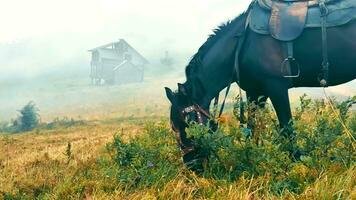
[(116, 63)]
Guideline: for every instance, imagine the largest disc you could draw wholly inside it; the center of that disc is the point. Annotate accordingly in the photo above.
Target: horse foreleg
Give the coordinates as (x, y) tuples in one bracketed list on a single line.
[(277, 90), (278, 93)]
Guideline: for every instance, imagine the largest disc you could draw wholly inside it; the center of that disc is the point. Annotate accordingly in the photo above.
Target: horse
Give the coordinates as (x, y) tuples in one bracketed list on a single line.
[(259, 73)]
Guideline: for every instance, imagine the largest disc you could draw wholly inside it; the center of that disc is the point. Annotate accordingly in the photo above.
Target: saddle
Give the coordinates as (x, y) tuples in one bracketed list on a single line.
[(285, 20)]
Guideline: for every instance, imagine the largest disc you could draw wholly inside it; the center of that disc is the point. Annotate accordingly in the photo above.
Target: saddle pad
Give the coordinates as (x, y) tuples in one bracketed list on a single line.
[(267, 4), (287, 20), (340, 13)]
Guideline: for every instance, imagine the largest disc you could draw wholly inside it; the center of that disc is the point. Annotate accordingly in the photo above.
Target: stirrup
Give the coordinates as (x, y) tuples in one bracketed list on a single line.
[(290, 61)]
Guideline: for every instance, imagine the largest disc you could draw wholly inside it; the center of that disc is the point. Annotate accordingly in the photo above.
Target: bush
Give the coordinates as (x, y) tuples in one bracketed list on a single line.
[(153, 159), (150, 159), (29, 118), (320, 136)]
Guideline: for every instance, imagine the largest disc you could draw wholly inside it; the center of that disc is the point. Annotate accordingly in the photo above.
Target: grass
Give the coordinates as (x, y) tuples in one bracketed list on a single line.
[(37, 159), (137, 158)]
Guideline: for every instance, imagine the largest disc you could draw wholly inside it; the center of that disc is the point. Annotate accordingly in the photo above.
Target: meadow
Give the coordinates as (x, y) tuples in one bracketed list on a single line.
[(136, 157)]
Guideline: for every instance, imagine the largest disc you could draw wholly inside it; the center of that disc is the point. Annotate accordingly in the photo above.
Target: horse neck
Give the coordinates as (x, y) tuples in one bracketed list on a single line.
[(215, 68)]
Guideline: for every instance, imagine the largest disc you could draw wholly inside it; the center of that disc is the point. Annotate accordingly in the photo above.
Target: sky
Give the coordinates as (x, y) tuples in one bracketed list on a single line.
[(43, 36), (40, 35), (38, 18)]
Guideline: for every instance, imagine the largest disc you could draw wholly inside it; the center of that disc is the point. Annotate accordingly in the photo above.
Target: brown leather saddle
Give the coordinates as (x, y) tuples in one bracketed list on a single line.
[(285, 20), (288, 17)]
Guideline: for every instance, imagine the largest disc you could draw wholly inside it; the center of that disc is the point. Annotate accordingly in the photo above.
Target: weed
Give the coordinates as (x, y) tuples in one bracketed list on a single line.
[(68, 152)]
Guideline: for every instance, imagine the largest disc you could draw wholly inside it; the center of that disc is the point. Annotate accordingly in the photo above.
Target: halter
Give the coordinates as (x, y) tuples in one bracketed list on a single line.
[(199, 111), (202, 112)]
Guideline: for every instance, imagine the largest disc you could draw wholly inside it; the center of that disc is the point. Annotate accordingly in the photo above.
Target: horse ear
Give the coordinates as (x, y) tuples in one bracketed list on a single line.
[(182, 89), (170, 95)]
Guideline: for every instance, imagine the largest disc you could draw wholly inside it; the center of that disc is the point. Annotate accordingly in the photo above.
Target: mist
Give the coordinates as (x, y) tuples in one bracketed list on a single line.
[(42, 35), (44, 52)]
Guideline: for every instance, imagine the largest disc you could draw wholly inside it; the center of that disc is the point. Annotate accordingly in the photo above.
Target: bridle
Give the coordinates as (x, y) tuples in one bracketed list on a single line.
[(200, 112)]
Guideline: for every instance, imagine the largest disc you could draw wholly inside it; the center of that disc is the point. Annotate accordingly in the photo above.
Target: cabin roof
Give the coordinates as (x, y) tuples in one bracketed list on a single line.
[(109, 53)]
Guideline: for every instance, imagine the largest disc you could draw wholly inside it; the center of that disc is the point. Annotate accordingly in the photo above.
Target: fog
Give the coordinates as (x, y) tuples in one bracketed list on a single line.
[(44, 51), (40, 35)]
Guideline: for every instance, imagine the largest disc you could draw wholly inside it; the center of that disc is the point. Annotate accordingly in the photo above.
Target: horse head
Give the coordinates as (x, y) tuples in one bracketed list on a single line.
[(184, 111)]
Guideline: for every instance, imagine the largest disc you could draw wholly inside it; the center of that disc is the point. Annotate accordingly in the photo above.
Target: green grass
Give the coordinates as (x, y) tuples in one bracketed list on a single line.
[(142, 160)]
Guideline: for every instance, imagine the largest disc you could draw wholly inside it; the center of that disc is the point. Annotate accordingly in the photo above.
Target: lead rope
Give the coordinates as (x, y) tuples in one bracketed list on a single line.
[(216, 104), (224, 102)]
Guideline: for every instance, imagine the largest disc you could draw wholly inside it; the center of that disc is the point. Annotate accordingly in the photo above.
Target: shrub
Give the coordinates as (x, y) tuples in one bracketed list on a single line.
[(29, 117), (321, 137), (152, 159)]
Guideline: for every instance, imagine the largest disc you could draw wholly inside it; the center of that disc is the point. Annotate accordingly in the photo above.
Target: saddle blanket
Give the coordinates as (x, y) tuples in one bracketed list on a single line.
[(339, 13), (268, 4)]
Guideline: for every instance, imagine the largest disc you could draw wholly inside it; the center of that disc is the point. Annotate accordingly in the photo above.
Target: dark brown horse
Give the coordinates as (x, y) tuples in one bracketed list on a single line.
[(212, 69)]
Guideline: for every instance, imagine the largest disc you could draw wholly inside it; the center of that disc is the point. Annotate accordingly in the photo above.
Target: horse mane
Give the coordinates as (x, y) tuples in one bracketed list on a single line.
[(218, 32)]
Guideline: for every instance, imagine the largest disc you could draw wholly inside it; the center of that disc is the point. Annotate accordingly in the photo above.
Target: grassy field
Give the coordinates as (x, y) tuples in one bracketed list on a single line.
[(114, 142), (136, 157), (39, 161)]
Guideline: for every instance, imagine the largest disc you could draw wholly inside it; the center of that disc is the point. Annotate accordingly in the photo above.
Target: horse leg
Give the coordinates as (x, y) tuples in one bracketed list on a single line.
[(278, 93)]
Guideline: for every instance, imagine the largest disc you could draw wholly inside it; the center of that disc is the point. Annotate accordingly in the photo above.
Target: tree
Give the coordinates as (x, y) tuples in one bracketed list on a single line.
[(29, 117)]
